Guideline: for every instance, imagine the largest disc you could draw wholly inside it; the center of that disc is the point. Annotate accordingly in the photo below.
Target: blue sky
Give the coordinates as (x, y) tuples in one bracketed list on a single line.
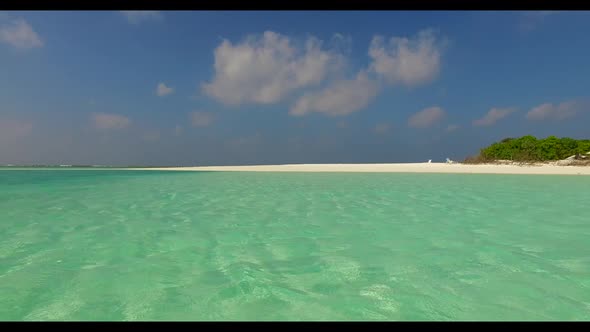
[(205, 88)]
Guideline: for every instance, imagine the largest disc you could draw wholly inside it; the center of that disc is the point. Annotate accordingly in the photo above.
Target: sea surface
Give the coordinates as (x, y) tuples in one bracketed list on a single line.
[(155, 245)]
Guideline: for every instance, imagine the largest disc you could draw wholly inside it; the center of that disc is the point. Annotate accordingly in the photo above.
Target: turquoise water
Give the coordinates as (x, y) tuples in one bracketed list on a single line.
[(149, 245)]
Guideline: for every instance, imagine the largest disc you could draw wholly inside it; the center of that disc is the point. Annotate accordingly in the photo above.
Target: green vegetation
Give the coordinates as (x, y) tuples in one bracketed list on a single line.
[(530, 149)]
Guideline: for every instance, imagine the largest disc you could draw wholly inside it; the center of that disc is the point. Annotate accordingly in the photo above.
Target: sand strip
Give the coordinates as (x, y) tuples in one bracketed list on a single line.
[(395, 168)]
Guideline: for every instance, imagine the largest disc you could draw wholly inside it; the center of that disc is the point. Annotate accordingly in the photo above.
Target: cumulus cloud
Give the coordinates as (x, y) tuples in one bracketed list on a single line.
[(340, 98), (405, 61), (163, 90), (492, 116), (382, 128), (265, 69), (20, 34), (341, 44), (138, 16), (14, 129), (426, 117), (560, 111), (106, 121), (201, 119)]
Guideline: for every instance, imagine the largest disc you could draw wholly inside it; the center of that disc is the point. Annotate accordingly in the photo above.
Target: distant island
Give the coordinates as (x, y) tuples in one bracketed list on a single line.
[(529, 149), (507, 156)]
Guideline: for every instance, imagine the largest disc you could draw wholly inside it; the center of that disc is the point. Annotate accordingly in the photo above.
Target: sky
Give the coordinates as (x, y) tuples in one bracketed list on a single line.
[(273, 87)]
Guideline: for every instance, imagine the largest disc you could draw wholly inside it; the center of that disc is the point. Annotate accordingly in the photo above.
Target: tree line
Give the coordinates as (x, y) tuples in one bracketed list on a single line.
[(529, 148)]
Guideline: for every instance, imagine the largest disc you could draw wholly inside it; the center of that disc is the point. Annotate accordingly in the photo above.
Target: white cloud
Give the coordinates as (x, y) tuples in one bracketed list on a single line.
[(426, 117), (178, 130), (492, 116), (14, 129), (138, 16), (20, 34), (341, 44), (452, 127), (201, 119), (163, 90), (107, 121), (382, 128), (561, 111), (406, 61), (340, 98), (265, 69)]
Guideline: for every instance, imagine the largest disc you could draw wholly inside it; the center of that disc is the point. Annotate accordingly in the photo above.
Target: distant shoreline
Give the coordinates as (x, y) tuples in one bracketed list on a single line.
[(454, 168), (549, 169)]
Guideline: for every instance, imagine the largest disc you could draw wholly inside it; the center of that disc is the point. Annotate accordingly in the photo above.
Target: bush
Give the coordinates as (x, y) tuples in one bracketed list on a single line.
[(530, 149), (479, 159)]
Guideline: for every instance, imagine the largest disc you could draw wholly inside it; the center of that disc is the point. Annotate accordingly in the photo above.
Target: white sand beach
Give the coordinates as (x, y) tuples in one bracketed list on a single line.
[(397, 168)]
